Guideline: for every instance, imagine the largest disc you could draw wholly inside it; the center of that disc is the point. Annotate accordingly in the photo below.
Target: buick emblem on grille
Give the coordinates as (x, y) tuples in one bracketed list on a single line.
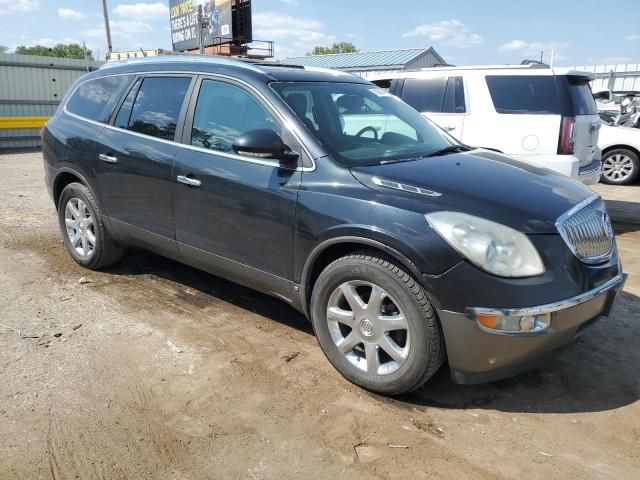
[(587, 231), (606, 224)]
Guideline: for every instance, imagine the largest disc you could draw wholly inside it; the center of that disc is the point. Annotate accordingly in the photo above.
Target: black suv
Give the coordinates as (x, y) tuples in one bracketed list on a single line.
[(404, 248)]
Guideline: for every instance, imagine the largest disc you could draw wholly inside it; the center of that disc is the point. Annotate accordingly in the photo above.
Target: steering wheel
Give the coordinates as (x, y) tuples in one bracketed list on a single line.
[(367, 129)]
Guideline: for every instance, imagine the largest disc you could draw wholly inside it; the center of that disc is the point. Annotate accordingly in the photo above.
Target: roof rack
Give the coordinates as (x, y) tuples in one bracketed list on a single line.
[(207, 59), (267, 63)]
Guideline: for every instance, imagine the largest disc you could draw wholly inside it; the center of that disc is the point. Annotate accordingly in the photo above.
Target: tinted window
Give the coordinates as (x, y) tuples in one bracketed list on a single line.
[(454, 96), (384, 84), (157, 106), (223, 113), (524, 94), (425, 95), (122, 119), (581, 97), (95, 99)]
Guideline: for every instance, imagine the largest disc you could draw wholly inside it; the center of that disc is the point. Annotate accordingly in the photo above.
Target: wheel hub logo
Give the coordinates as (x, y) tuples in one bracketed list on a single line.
[(366, 327)]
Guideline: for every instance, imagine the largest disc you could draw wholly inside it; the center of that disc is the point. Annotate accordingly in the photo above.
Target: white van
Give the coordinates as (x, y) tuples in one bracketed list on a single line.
[(540, 115)]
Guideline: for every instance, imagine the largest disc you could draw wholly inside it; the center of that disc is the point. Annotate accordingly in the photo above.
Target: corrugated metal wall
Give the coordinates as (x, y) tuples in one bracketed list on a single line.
[(622, 77), (423, 61), (427, 60), (32, 86)]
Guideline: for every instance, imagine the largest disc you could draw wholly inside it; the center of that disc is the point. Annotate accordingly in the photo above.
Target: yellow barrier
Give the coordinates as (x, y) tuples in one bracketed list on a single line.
[(11, 123)]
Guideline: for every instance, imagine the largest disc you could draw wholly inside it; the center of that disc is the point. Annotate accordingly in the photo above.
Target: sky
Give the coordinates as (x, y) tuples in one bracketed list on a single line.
[(463, 32)]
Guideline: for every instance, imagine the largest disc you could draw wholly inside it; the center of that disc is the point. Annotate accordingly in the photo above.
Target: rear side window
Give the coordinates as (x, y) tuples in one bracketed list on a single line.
[(157, 106), (425, 95), (95, 99), (122, 119), (582, 101), (524, 94), (437, 95)]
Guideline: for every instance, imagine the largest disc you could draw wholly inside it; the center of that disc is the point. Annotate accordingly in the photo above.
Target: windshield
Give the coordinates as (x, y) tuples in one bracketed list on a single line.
[(360, 124)]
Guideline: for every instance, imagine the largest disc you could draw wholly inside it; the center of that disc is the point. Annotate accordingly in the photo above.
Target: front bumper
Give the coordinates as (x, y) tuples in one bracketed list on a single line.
[(478, 356)]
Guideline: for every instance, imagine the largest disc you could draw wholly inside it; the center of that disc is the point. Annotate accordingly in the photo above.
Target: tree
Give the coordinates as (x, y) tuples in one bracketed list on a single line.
[(3, 49), (342, 47), (71, 50)]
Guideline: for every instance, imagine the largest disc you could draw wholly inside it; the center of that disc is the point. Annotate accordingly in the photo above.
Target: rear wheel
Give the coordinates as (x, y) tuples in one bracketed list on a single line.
[(620, 167), (375, 324), (83, 231)]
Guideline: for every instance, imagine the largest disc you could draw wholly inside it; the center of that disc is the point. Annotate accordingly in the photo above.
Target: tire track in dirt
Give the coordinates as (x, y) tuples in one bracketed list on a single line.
[(64, 453)]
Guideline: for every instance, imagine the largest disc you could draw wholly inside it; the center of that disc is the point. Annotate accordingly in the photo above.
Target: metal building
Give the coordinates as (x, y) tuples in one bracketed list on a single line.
[(366, 63), (621, 77), (31, 88)]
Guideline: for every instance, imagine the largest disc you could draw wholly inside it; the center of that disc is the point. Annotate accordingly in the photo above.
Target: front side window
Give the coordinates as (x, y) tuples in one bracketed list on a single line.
[(524, 94), (361, 124), (95, 99), (223, 113), (157, 106)]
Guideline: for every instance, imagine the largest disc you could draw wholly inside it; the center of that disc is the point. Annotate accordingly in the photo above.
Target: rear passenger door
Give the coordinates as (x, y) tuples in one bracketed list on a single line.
[(136, 161), (442, 100)]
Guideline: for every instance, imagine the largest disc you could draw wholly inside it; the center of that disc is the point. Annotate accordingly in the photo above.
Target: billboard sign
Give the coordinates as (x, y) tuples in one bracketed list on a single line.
[(185, 33)]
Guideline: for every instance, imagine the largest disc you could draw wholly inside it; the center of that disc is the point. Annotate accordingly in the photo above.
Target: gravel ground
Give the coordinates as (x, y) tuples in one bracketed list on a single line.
[(156, 370)]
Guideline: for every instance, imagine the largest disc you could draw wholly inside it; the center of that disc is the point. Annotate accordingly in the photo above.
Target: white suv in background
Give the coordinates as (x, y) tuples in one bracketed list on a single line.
[(543, 116)]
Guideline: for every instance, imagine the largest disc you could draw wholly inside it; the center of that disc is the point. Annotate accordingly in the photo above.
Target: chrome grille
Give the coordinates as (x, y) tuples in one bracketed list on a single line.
[(587, 230)]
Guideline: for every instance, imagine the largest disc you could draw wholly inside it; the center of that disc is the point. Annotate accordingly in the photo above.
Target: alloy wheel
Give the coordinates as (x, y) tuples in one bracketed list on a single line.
[(80, 228), (368, 327), (617, 168)]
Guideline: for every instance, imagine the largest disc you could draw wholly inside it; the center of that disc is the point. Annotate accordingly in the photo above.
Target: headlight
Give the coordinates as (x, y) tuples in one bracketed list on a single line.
[(491, 246)]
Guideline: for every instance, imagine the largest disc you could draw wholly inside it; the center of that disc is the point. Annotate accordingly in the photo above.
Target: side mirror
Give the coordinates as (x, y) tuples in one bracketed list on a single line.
[(262, 143)]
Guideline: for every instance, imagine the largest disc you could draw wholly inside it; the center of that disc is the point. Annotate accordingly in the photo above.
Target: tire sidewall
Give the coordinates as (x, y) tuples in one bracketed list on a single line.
[(416, 364), (634, 173), (76, 190)]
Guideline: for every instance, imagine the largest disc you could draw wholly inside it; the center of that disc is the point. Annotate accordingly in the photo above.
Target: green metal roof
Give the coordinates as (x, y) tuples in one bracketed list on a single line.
[(385, 58)]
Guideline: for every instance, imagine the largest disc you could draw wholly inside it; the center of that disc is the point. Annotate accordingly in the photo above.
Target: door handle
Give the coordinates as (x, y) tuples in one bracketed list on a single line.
[(192, 182), (108, 158), (448, 128)]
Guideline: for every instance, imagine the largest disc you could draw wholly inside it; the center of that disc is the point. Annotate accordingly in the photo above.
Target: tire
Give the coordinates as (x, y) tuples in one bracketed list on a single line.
[(620, 167), (81, 224), (417, 346)]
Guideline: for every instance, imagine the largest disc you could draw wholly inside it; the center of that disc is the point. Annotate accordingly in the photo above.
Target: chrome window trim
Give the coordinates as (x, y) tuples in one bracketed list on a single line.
[(616, 281), (568, 214), (286, 124)]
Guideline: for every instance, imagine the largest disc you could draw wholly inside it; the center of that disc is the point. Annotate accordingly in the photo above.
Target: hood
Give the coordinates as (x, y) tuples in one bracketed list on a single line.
[(485, 184)]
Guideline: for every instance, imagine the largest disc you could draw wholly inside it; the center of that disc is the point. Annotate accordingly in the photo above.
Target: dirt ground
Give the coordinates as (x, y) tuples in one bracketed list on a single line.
[(156, 370)]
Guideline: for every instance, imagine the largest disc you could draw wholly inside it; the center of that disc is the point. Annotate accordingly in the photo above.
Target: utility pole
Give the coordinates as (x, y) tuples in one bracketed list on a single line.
[(84, 52), (200, 29), (106, 24)]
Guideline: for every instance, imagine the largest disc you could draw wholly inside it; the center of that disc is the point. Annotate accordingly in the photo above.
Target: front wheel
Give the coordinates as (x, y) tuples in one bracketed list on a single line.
[(620, 167), (376, 325)]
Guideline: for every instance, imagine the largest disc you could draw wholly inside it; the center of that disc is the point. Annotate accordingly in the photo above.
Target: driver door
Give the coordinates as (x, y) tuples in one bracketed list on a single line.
[(234, 214)]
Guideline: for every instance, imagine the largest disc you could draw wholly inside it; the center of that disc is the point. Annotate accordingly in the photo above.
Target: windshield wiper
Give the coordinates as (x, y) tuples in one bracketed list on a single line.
[(399, 160), (448, 150)]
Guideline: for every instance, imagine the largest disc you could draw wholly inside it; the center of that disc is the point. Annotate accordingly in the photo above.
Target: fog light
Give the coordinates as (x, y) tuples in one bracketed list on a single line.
[(514, 324)]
